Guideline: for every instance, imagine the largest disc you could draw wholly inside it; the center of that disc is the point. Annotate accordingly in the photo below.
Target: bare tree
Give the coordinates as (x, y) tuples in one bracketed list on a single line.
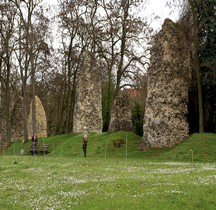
[(70, 25), (30, 44), (124, 45), (191, 4), (7, 43)]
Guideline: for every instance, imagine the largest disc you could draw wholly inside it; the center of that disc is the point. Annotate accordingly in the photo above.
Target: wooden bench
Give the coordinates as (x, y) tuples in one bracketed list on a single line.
[(44, 150)]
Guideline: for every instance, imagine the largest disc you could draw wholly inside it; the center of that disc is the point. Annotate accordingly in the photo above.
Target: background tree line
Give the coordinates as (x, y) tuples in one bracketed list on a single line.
[(33, 63), (198, 19)]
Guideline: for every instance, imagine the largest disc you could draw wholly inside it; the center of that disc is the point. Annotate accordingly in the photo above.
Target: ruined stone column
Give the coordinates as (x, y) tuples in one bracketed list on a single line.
[(88, 108), (41, 120), (16, 121), (121, 117), (17, 124), (3, 137), (169, 77)]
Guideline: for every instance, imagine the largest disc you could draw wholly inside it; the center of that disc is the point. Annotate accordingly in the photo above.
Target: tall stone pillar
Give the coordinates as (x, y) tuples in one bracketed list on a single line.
[(17, 124), (41, 120), (169, 77), (121, 117), (88, 108)]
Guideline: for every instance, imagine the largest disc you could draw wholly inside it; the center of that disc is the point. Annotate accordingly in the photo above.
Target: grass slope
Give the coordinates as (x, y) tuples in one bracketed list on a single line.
[(199, 147)]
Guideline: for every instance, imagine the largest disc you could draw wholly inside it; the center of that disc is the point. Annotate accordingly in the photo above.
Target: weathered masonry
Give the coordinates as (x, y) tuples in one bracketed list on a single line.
[(169, 78)]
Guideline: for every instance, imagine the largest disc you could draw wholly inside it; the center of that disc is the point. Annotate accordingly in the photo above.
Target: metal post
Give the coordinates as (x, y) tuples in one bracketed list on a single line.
[(53, 149), (192, 155), (126, 148), (106, 151), (117, 151), (61, 148), (13, 149)]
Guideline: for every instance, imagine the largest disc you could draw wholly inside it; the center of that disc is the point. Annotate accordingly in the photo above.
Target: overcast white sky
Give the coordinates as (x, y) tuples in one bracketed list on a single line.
[(156, 7), (159, 8)]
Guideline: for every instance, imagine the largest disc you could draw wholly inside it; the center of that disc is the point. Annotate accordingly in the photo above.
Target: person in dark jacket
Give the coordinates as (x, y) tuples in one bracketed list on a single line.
[(34, 144), (85, 140)]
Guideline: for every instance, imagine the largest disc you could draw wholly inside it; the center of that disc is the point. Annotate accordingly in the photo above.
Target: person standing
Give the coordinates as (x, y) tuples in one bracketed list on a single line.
[(34, 144), (85, 140)]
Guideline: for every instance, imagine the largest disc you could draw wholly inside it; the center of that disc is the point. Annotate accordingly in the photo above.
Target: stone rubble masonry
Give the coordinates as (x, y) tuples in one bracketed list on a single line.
[(17, 124), (3, 138), (169, 78), (16, 121), (88, 108), (121, 117), (41, 120)]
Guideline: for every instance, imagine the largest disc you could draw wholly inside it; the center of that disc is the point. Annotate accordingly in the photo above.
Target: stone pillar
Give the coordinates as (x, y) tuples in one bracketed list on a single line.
[(16, 118), (88, 108), (121, 117), (41, 120), (3, 138), (169, 77), (17, 124)]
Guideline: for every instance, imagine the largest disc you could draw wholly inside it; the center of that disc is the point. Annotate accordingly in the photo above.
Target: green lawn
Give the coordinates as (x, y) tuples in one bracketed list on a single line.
[(183, 177), (43, 182)]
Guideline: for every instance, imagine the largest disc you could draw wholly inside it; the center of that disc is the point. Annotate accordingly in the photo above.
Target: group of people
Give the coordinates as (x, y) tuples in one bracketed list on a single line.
[(34, 144)]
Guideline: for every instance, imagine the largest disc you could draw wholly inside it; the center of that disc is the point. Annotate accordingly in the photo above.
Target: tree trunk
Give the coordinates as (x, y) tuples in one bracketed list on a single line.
[(196, 66), (34, 129), (25, 114), (7, 104)]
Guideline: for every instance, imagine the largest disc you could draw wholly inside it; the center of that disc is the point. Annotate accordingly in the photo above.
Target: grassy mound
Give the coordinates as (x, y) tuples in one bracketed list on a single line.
[(122, 145), (198, 147)]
